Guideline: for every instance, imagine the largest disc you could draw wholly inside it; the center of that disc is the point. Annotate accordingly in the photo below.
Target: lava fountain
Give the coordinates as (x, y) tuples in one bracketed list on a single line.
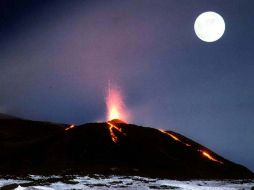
[(115, 105), (116, 112)]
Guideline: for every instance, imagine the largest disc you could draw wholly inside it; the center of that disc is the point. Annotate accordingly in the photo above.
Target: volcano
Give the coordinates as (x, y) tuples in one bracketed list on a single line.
[(113, 147)]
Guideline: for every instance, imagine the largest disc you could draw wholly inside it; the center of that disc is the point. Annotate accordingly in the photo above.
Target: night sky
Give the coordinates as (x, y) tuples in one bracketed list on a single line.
[(56, 58)]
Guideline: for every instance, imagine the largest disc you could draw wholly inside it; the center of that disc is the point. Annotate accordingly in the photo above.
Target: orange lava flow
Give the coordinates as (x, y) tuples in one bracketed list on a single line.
[(169, 134), (206, 154), (70, 127), (173, 137), (111, 128)]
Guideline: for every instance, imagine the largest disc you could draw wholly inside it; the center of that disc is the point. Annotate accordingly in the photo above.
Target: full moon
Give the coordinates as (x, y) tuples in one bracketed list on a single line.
[(209, 26)]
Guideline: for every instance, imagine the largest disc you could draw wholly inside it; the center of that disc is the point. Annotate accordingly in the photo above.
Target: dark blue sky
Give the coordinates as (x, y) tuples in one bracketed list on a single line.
[(56, 58)]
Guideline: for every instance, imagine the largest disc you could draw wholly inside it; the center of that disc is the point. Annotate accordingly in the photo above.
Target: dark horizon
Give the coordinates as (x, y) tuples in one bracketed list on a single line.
[(56, 58)]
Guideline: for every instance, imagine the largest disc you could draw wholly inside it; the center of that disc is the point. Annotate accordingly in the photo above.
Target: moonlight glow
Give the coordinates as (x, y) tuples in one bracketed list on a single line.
[(209, 26)]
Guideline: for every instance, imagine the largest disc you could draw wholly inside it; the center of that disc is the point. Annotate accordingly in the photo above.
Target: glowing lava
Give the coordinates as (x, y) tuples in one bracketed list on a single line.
[(115, 105), (173, 137), (207, 155), (116, 112), (113, 127), (70, 127), (204, 153)]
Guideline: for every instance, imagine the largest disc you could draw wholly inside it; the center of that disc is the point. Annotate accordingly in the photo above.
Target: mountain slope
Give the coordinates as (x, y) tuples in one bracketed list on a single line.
[(109, 148)]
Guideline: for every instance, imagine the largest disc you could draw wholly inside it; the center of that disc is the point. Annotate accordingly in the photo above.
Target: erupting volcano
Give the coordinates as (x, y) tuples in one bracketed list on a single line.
[(111, 147), (116, 111)]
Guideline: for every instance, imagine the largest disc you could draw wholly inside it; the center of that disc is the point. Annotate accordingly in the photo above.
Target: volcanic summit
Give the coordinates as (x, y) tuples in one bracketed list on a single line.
[(113, 147)]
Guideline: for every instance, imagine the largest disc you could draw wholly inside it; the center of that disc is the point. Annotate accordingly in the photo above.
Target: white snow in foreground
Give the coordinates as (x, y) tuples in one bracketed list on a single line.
[(4, 182), (99, 182)]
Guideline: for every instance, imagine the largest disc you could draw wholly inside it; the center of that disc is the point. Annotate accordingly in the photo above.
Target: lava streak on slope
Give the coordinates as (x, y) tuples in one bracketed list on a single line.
[(173, 137), (204, 153), (111, 127), (70, 127), (207, 155)]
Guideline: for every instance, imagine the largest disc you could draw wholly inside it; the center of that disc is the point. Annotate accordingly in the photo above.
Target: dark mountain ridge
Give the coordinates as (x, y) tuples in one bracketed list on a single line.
[(115, 147)]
